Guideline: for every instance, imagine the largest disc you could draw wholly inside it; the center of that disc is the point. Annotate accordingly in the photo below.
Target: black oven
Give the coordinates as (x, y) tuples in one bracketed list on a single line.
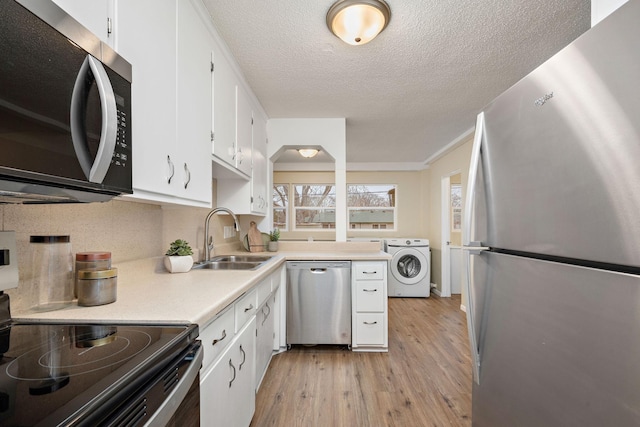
[(99, 375), (65, 109)]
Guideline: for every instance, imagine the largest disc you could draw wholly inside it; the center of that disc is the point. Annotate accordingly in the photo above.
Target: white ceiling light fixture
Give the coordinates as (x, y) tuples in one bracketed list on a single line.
[(308, 152), (358, 22)]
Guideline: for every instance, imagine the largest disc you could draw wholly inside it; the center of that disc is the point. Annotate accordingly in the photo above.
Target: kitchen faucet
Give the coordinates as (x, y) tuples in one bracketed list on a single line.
[(208, 240)]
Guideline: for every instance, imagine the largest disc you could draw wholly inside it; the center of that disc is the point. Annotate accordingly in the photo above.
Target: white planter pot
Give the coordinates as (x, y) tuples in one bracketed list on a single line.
[(178, 264), (273, 247)]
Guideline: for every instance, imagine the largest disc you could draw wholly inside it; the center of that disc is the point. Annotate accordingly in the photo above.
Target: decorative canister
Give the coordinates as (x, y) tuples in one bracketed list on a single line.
[(91, 261), (51, 272), (97, 287)]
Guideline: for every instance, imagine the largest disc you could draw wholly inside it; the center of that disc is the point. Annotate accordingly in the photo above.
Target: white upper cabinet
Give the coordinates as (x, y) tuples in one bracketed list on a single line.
[(224, 110), (259, 178), (244, 131), (232, 119), (249, 197), (194, 105), (147, 39), (96, 15), (169, 48)]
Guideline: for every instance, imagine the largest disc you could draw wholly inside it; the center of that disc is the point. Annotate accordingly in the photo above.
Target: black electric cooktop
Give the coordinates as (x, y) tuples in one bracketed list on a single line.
[(51, 374)]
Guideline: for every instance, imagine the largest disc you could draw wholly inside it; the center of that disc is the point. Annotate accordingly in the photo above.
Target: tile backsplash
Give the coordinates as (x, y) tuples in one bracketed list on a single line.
[(129, 230)]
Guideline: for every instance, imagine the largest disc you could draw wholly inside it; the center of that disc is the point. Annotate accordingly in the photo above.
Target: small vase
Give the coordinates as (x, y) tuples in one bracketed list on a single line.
[(273, 247), (178, 264)]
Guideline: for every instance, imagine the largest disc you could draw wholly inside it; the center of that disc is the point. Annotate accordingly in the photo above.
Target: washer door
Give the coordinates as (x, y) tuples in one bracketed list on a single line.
[(409, 266)]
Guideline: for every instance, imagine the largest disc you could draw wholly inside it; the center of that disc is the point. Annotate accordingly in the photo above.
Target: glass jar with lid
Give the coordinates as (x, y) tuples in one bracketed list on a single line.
[(51, 272)]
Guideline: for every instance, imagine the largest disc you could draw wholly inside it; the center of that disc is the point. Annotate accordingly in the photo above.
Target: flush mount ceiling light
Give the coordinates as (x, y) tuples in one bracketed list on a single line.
[(308, 152), (358, 21)]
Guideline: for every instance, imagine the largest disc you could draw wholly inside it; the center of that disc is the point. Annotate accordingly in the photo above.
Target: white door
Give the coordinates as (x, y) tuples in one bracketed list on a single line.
[(445, 237)]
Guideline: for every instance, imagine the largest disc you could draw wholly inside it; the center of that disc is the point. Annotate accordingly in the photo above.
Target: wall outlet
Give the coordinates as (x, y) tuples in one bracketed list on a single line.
[(8, 260)]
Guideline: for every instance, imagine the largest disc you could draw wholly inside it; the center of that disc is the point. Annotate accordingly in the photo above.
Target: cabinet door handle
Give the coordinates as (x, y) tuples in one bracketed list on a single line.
[(370, 290), (224, 335), (266, 316), (171, 169), (248, 308), (369, 272), (187, 174), (370, 323), (234, 373), (244, 358)]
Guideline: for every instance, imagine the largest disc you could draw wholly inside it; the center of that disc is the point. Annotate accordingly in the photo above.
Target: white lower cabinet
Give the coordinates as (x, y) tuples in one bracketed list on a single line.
[(369, 306), (264, 337), (227, 392)]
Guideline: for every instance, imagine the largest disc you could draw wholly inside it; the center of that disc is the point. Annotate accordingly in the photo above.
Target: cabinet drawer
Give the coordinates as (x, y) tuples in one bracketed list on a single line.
[(217, 336), (264, 290), (370, 270), (245, 308), (370, 296), (370, 329)]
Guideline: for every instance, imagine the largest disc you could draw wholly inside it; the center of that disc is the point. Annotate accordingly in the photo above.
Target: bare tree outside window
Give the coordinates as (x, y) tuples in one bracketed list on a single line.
[(314, 206), (456, 207), (371, 206), (280, 206)]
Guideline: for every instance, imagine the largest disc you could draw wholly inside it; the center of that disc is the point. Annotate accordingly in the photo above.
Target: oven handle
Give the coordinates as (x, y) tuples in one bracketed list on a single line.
[(172, 402)]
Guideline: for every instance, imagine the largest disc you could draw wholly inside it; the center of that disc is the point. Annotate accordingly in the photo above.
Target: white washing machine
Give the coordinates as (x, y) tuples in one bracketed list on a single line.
[(409, 268)]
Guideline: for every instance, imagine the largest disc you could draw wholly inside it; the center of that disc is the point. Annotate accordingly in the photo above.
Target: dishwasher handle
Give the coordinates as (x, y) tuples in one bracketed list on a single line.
[(318, 270)]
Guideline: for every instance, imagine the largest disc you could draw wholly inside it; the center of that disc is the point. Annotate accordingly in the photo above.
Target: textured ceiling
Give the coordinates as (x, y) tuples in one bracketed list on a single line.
[(415, 88)]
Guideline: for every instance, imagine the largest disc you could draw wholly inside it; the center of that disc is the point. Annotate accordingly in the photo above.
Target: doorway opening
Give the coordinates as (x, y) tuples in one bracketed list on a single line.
[(451, 233)]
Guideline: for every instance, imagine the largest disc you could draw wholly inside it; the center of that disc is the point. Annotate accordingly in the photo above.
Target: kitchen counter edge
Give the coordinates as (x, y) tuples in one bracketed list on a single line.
[(149, 295)]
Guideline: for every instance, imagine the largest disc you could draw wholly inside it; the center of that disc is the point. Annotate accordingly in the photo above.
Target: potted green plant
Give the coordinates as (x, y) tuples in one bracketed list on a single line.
[(178, 258), (274, 236)]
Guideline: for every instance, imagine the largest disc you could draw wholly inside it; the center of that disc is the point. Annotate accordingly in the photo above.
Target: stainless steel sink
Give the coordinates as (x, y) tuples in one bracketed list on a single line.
[(233, 262), (225, 265), (241, 258)]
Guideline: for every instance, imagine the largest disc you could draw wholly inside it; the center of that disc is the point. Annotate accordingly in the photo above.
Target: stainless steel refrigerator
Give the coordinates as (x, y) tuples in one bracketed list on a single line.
[(553, 213)]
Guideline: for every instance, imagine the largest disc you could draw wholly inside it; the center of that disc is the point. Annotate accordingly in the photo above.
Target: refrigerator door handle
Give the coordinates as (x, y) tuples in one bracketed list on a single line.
[(472, 247), (473, 175)]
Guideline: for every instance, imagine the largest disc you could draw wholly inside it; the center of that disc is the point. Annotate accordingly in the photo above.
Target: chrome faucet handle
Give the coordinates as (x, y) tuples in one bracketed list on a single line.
[(209, 247)]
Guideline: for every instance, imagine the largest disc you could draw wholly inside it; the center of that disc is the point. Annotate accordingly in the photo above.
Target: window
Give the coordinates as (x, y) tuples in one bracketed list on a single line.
[(371, 206), (314, 206), (280, 206), (456, 207)]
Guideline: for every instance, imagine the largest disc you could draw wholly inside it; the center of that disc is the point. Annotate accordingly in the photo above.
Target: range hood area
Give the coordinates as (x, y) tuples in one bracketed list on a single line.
[(13, 192)]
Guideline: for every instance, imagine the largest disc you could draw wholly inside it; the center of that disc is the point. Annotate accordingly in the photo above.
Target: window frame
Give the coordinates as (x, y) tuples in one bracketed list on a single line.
[(378, 226), (294, 208)]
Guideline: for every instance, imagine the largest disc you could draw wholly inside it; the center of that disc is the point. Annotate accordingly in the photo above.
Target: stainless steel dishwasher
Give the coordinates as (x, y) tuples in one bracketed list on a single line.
[(319, 302)]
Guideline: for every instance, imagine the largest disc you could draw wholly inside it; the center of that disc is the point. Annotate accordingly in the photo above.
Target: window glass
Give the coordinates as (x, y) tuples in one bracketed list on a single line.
[(314, 206), (371, 206), (456, 207), (280, 206)]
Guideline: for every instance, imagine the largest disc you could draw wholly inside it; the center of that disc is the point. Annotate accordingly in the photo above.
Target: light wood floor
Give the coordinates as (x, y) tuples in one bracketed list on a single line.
[(424, 380)]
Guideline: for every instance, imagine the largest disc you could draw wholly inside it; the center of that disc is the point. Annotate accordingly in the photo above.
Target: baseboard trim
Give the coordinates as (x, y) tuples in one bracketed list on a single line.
[(436, 291)]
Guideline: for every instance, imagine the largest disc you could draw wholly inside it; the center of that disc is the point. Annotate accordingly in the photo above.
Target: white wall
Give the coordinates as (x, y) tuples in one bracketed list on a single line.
[(330, 134)]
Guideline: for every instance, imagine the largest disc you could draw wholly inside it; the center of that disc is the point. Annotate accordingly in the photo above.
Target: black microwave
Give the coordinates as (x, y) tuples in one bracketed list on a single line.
[(65, 109)]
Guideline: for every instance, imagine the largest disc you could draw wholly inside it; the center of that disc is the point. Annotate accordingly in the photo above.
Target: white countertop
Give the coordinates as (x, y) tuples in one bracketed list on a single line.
[(148, 294)]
